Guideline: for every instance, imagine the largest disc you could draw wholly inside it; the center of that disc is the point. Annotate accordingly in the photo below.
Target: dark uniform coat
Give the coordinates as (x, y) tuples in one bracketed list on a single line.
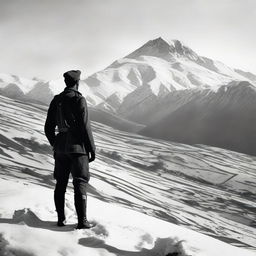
[(72, 145), (78, 138)]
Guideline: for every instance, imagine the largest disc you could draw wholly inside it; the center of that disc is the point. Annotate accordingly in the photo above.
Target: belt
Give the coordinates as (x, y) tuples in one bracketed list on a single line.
[(62, 130)]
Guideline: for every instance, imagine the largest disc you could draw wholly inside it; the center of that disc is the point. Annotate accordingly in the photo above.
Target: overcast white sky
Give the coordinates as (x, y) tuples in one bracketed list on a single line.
[(44, 38)]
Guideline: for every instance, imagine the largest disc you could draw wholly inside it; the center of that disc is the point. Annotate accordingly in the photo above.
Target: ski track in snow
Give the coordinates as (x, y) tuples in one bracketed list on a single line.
[(206, 189)]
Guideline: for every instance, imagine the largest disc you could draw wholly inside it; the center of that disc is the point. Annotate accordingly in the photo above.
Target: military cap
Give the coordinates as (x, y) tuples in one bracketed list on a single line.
[(73, 75)]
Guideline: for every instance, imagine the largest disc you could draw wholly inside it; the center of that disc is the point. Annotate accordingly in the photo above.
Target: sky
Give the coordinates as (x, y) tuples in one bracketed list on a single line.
[(46, 38)]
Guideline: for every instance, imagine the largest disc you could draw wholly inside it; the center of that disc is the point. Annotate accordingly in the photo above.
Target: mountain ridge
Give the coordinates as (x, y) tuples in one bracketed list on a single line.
[(164, 65)]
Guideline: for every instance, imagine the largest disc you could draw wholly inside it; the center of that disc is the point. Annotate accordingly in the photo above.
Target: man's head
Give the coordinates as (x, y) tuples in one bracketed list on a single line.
[(72, 78)]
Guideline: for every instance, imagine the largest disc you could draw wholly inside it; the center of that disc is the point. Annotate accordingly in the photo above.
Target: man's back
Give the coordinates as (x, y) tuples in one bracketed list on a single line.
[(73, 146), (78, 137)]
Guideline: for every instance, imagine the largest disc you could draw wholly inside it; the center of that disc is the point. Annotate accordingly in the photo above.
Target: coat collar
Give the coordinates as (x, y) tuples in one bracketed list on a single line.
[(70, 89)]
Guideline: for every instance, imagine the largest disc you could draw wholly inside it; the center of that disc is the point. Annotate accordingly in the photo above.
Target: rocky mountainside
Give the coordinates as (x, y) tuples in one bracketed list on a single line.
[(225, 119), (152, 108)]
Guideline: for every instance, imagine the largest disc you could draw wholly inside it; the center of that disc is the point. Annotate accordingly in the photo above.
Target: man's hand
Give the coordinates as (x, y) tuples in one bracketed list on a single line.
[(91, 156)]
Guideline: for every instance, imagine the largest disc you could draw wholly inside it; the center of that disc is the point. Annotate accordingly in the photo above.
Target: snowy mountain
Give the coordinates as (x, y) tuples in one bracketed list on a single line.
[(159, 66), (15, 87), (147, 197), (24, 85)]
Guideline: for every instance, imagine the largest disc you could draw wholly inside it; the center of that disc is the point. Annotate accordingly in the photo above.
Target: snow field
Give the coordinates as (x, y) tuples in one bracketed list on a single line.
[(139, 190)]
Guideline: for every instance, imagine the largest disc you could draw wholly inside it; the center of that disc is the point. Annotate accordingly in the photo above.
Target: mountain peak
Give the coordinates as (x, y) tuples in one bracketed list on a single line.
[(162, 48), (178, 47), (159, 42)]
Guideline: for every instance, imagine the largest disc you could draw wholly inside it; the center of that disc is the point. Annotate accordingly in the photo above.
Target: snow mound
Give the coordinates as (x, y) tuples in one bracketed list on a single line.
[(26, 216), (162, 247)]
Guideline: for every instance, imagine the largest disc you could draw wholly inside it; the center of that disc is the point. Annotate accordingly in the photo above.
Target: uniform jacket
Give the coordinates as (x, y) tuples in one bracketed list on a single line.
[(78, 138)]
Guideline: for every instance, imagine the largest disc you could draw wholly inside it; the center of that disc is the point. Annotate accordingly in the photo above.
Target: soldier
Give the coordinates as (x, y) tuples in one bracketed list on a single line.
[(73, 146)]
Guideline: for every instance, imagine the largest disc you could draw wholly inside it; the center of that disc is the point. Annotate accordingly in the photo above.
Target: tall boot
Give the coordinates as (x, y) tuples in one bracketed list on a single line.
[(81, 207), (59, 200)]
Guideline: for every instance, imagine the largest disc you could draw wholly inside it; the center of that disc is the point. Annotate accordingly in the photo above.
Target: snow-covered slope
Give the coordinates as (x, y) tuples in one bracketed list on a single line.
[(146, 196)]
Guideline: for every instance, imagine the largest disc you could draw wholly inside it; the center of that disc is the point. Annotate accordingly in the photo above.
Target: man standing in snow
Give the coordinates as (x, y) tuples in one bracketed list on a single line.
[(73, 146)]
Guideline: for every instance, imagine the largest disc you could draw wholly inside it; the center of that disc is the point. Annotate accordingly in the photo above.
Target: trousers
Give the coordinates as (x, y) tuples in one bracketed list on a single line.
[(78, 166)]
